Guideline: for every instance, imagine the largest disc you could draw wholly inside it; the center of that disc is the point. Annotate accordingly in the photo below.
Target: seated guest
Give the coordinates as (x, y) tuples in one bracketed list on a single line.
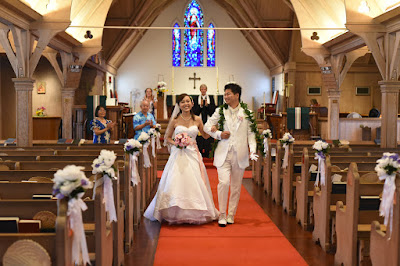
[(354, 115), (143, 120), (101, 126), (374, 113)]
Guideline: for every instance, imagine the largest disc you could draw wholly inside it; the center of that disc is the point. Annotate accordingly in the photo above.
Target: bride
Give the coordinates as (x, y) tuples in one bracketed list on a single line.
[(184, 193)]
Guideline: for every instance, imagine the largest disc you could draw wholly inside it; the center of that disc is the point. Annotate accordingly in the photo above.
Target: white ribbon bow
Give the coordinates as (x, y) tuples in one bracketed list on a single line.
[(286, 157), (135, 178), (79, 246), (265, 146), (386, 207), (108, 196), (321, 168), (146, 157), (153, 146)]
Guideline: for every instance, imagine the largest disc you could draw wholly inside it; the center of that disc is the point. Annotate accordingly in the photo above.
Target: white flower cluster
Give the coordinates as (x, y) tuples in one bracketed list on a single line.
[(152, 132), (143, 137), (389, 164), (320, 145), (287, 138), (105, 163), (267, 134), (132, 145), (158, 128), (161, 84), (70, 182)]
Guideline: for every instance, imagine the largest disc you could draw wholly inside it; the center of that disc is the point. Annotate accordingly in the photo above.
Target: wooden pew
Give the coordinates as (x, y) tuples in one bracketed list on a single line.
[(352, 223), (287, 184), (256, 167), (267, 170), (385, 249), (303, 193)]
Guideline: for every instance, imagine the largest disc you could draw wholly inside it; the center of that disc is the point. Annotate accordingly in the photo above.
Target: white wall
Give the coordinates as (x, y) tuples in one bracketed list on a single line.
[(151, 60)]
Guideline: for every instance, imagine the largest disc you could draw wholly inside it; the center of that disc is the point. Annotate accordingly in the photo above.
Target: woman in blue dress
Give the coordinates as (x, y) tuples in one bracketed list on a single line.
[(101, 126)]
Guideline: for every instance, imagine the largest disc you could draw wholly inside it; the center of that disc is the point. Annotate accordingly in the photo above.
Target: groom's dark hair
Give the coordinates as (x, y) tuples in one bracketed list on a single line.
[(236, 89)]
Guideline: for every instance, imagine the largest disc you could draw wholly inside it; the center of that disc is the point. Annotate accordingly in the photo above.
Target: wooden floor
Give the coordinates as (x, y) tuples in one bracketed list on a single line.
[(146, 238)]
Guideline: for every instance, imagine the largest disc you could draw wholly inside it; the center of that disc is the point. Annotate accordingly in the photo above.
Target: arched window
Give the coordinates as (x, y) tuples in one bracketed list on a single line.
[(176, 46), (193, 42), (211, 46)]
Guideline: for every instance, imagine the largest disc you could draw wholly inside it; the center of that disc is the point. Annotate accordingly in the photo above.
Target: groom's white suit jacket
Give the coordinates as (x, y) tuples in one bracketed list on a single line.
[(241, 137)]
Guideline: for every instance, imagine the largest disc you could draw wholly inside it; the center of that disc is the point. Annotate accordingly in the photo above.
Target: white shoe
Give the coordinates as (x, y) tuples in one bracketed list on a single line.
[(222, 221), (230, 219)]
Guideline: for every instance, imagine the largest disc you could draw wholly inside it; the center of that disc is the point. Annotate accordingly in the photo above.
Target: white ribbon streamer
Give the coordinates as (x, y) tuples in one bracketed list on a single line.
[(135, 178), (158, 140), (286, 157), (265, 146), (109, 198), (79, 246), (153, 146), (321, 169), (146, 157), (386, 207)]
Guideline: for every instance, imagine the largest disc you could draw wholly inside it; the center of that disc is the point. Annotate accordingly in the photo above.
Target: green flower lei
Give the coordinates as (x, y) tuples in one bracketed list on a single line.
[(253, 127)]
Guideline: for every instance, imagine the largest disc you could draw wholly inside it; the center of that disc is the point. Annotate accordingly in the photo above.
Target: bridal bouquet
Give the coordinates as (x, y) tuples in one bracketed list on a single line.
[(71, 183), (386, 169), (182, 140), (144, 139), (322, 149)]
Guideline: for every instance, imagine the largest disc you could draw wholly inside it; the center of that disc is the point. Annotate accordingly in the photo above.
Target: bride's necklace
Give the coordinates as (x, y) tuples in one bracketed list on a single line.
[(186, 119)]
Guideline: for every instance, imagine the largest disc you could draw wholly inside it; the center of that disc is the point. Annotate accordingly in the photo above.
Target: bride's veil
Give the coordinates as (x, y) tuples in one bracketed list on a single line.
[(169, 127)]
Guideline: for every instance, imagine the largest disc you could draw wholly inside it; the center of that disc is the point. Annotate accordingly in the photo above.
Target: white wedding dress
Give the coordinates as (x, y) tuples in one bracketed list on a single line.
[(183, 196)]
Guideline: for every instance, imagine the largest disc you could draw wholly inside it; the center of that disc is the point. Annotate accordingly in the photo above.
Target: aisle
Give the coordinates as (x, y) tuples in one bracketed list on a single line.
[(252, 240)]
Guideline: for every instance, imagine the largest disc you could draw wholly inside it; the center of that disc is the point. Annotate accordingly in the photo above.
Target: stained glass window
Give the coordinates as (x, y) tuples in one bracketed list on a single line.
[(176, 46), (193, 42), (211, 46)]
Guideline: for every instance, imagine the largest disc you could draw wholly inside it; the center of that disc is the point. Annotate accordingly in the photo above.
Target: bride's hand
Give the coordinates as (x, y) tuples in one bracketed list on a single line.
[(213, 129)]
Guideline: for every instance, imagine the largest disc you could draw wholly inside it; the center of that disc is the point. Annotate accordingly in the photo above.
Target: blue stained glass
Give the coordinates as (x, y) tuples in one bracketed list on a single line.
[(194, 47), (211, 46), (176, 46)]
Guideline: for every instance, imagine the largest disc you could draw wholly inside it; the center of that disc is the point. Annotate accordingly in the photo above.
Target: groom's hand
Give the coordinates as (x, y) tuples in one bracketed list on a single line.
[(225, 134)]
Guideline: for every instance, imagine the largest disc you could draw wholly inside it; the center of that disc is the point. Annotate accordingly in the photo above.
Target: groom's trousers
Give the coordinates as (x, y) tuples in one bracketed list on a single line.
[(229, 172)]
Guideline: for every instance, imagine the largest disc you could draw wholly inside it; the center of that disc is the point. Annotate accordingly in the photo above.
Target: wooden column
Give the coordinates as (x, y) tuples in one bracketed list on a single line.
[(23, 88), (160, 107), (290, 70), (390, 105), (67, 100), (333, 114)]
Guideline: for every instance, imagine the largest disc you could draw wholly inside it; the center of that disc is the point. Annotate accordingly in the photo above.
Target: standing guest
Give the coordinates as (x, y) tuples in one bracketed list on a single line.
[(101, 126), (204, 107), (143, 120), (148, 96)]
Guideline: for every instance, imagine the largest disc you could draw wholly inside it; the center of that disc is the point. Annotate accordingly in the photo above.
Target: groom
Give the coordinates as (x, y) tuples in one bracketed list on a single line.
[(231, 156)]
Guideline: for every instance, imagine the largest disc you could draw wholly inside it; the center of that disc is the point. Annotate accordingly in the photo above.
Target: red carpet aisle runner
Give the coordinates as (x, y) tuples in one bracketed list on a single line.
[(252, 240)]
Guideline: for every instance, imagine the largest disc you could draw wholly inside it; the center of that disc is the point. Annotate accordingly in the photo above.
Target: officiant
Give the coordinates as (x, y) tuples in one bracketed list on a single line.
[(204, 106)]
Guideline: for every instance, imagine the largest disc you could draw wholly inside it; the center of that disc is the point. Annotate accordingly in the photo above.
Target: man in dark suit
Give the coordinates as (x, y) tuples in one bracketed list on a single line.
[(204, 106)]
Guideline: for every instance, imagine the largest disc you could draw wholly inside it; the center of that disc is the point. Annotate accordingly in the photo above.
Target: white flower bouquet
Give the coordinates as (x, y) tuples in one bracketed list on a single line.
[(322, 148), (132, 146), (388, 165), (104, 164), (158, 128), (287, 139), (70, 182), (143, 138), (161, 88), (267, 134)]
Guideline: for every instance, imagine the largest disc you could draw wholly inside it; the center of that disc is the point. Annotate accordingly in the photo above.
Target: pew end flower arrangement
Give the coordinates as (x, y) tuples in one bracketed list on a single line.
[(285, 141), (387, 167), (132, 147), (144, 139), (266, 134), (71, 184), (322, 150), (104, 166)]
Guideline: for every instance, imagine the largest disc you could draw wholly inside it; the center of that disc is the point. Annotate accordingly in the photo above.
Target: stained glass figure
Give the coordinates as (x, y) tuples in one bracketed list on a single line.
[(176, 46), (211, 46), (193, 42)]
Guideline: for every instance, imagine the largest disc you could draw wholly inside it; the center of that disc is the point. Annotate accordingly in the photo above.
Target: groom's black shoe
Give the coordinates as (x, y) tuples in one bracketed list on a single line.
[(222, 221)]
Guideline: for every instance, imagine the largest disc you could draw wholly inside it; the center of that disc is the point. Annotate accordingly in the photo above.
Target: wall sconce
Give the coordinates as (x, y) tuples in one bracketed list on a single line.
[(88, 35)]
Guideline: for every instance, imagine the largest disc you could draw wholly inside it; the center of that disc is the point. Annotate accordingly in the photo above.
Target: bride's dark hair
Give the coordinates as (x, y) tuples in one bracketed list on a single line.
[(179, 99)]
